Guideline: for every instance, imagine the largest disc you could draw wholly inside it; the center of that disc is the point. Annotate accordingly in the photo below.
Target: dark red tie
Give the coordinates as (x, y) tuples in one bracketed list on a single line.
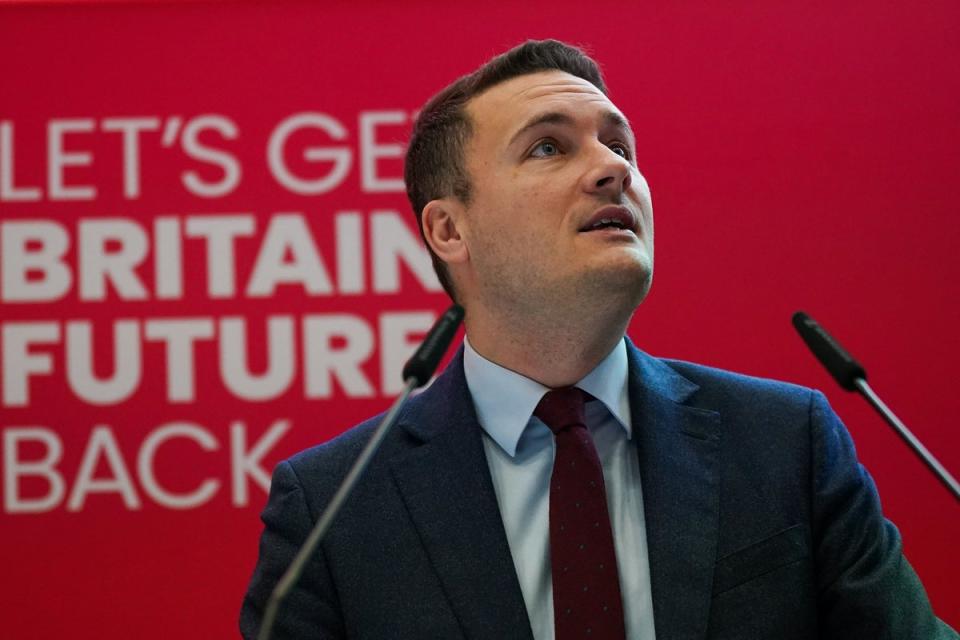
[(586, 589)]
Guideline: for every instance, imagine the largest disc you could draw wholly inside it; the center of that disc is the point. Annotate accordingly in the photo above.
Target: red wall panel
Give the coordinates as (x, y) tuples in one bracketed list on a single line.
[(799, 157)]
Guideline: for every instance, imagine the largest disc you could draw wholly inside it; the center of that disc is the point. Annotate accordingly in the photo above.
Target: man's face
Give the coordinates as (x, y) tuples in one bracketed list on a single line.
[(559, 212)]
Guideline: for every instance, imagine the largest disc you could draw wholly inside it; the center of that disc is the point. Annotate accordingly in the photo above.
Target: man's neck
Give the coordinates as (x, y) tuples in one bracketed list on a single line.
[(554, 351)]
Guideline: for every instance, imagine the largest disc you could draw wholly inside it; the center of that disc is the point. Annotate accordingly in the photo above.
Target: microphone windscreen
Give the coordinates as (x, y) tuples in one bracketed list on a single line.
[(841, 365), (425, 360)]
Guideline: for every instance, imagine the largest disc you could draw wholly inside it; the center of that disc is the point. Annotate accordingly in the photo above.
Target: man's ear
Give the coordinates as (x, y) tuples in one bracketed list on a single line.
[(443, 223)]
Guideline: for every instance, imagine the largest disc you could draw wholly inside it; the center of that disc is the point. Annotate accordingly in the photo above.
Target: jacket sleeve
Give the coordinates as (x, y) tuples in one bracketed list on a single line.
[(311, 609), (866, 587)]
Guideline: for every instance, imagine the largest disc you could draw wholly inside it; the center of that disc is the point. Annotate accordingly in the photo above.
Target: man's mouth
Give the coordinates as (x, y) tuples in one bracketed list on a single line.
[(606, 223), (612, 217)]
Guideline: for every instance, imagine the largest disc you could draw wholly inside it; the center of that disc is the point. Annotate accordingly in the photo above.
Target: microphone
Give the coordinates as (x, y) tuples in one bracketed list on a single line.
[(841, 365), (416, 372), (851, 375), (424, 361)]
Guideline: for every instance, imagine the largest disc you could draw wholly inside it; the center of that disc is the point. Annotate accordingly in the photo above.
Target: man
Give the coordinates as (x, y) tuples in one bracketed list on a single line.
[(719, 506)]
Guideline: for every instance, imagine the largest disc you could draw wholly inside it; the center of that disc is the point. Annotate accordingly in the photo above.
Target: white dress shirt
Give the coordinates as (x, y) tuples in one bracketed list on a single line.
[(520, 451)]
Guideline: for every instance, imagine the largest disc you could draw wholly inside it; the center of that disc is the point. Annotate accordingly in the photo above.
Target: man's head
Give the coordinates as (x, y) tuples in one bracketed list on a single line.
[(507, 163), (435, 160)]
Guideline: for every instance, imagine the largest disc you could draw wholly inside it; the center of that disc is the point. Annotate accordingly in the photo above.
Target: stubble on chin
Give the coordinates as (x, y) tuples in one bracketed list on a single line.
[(619, 286), (607, 295)]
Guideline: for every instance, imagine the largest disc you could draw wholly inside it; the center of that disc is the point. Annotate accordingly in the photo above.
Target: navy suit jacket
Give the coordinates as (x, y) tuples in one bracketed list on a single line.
[(760, 523)]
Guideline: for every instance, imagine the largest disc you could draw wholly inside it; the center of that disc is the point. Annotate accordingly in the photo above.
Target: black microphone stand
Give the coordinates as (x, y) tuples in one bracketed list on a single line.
[(416, 373), (907, 436), (851, 375)]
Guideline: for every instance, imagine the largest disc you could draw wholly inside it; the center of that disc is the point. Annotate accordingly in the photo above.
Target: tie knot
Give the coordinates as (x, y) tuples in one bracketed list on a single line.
[(562, 408)]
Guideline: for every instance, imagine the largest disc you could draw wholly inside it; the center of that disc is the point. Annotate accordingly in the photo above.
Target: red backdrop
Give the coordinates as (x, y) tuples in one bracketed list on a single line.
[(208, 262)]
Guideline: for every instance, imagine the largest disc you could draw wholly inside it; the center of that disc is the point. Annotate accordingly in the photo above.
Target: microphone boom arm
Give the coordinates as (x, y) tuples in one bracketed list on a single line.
[(416, 373), (851, 375), (292, 574), (907, 436)]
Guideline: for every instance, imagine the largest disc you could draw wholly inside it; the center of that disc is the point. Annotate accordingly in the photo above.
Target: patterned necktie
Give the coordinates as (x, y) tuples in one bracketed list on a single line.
[(586, 589)]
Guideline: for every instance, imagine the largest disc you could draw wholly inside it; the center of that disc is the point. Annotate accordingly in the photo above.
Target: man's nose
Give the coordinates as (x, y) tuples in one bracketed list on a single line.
[(610, 174)]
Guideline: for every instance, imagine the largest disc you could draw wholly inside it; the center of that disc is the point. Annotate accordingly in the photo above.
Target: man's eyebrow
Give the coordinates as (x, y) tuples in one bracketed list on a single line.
[(611, 118), (550, 117)]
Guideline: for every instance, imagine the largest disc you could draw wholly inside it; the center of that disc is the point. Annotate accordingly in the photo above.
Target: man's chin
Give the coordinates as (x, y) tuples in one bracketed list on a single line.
[(626, 279)]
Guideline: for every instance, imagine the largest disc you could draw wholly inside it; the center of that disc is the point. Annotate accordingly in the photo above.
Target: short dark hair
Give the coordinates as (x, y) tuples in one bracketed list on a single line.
[(435, 163)]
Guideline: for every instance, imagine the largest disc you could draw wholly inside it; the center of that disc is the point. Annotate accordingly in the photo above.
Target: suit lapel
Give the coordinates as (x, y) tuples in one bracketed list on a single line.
[(445, 483), (678, 445)]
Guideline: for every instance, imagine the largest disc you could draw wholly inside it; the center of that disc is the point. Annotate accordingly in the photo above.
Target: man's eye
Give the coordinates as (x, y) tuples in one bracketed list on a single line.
[(621, 150), (544, 149)]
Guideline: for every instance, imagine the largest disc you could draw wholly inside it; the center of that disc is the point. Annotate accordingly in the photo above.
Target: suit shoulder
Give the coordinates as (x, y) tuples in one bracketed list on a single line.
[(725, 386), (337, 454)]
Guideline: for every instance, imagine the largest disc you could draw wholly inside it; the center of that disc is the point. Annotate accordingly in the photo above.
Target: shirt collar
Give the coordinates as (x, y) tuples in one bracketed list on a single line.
[(505, 400)]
